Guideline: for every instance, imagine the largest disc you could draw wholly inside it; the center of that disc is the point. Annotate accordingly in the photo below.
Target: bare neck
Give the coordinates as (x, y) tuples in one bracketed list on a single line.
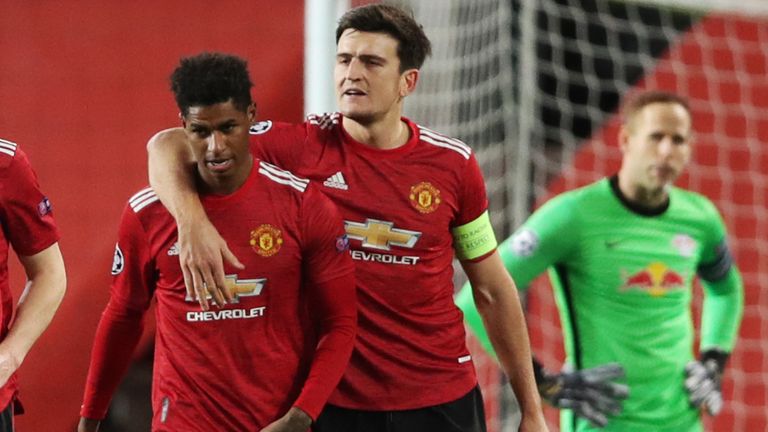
[(388, 133)]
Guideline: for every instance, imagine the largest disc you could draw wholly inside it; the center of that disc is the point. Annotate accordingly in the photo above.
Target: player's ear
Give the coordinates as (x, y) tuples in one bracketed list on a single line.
[(623, 138), (408, 80), (183, 121), (252, 113)]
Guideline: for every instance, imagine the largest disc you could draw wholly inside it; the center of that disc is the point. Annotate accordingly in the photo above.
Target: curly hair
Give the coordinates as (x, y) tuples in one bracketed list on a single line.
[(211, 78)]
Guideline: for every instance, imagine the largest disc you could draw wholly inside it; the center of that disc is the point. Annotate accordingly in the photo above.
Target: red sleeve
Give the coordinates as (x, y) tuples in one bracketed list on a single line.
[(26, 213), (278, 143), (325, 242), (473, 199), (334, 305), (121, 323), (331, 294)]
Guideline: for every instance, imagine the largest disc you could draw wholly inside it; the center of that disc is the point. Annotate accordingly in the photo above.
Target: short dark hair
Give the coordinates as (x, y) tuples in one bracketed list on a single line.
[(413, 45), (636, 103), (209, 79)]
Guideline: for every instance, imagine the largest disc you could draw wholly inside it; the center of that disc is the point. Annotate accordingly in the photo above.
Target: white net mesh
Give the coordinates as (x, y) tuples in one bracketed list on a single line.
[(533, 86)]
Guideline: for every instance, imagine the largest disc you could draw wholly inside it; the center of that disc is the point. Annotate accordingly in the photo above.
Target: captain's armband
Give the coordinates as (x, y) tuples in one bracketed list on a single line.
[(475, 238)]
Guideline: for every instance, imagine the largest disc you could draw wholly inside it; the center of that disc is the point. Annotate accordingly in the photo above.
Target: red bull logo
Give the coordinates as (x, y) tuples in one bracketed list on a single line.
[(657, 279)]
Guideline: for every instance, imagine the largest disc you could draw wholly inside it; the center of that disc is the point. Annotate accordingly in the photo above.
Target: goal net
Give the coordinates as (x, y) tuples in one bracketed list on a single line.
[(534, 85)]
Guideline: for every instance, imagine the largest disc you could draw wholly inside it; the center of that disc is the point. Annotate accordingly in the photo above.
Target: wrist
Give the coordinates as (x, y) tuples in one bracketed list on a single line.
[(15, 353), (190, 216), (715, 356), (298, 417)]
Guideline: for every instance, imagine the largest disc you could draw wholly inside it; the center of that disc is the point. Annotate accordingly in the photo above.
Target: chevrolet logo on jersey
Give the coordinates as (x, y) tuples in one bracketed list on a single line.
[(239, 288), (380, 235)]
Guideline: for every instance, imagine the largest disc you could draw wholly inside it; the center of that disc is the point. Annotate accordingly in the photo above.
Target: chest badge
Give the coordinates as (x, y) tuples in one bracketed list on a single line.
[(685, 245), (424, 197), (266, 240)]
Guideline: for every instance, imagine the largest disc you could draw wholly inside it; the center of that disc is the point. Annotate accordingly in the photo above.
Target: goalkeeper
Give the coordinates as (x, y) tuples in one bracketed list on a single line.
[(622, 254)]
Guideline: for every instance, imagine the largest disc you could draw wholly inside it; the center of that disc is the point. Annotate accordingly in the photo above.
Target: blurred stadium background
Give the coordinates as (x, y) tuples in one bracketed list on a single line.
[(532, 85)]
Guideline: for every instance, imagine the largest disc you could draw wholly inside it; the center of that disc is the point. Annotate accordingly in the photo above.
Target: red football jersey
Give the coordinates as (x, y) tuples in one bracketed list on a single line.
[(27, 225), (399, 207), (242, 366)]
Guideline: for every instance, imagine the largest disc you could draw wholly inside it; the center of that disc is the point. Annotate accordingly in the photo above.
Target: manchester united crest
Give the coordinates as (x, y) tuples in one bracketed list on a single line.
[(424, 197), (266, 240)]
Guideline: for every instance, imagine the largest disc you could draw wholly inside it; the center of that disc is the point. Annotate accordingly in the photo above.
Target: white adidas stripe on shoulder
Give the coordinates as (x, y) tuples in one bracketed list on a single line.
[(142, 199), (440, 140), (325, 120), (282, 176), (8, 147)]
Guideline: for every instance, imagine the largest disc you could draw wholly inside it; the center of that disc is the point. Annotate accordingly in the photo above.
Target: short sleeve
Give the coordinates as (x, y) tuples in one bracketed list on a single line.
[(27, 214), (473, 199), (325, 245), (133, 274)]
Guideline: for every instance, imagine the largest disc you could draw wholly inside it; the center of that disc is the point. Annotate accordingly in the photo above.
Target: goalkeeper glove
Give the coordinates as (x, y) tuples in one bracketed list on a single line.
[(590, 393), (703, 380)]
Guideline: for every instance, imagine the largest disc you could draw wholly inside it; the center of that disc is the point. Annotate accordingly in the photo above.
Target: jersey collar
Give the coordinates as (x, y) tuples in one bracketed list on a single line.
[(634, 207), (379, 153)]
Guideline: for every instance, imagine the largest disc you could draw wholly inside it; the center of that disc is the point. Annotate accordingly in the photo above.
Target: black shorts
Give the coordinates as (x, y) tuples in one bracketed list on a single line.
[(6, 418), (465, 414)]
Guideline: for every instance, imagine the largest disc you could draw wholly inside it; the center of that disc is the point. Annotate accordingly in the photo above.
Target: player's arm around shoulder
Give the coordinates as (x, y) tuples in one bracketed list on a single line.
[(498, 303), (202, 249)]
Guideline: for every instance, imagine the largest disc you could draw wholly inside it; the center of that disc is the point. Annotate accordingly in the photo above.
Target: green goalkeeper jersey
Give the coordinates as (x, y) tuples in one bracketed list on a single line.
[(622, 277)]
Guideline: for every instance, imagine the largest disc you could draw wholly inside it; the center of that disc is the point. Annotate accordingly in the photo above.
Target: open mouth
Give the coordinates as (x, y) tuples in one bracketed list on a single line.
[(353, 92), (218, 165)]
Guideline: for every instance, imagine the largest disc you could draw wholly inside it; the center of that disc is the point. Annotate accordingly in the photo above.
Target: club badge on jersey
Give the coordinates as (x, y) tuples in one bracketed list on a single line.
[(424, 197), (266, 240)]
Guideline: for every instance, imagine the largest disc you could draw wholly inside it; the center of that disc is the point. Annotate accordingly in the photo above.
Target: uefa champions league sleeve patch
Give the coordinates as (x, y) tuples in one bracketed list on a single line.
[(118, 262), (524, 243), (260, 127)]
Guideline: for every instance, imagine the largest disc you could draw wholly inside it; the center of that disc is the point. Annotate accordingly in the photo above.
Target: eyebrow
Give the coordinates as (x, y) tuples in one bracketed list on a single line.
[(363, 57), (197, 125)]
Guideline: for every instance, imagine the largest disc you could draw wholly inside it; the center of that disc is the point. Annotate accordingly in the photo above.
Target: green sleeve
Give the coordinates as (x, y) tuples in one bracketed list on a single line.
[(723, 304), (722, 311), (545, 238)]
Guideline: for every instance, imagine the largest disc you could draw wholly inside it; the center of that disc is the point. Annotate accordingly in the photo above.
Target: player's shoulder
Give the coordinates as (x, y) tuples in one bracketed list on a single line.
[(692, 202), (282, 178), (9, 152), (572, 204), (584, 194), (270, 127), (145, 200), (447, 145)]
